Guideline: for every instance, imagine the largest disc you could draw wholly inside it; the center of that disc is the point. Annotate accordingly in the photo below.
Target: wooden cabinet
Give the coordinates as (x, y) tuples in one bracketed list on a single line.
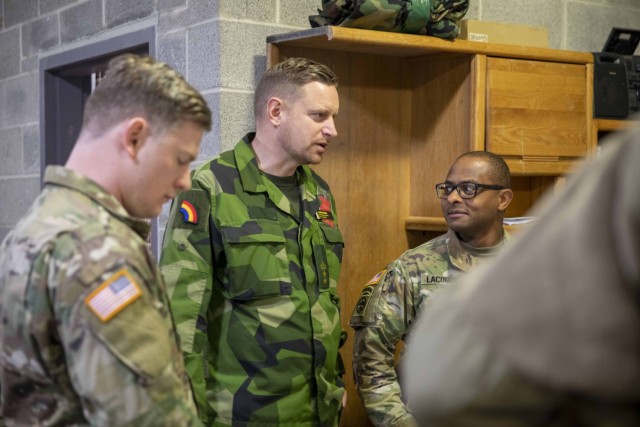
[(536, 114), (409, 105)]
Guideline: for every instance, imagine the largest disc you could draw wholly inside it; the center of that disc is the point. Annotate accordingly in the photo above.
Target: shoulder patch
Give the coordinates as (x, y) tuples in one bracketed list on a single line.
[(113, 295), (365, 313), (189, 212), (363, 301), (376, 279), (191, 209)]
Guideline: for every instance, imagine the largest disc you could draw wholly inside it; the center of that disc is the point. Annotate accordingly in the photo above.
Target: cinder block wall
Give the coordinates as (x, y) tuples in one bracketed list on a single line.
[(219, 45)]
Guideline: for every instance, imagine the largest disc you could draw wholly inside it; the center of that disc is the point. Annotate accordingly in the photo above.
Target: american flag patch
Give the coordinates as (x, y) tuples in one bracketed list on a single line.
[(376, 278), (113, 295)]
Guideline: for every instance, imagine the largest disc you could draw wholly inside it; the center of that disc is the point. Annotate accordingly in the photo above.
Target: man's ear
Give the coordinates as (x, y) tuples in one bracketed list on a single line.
[(505, 197), (275, 107), (136, 134)]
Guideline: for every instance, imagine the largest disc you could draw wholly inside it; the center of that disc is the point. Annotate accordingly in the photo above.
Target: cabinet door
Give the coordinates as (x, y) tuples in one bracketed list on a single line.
[(537, 114)]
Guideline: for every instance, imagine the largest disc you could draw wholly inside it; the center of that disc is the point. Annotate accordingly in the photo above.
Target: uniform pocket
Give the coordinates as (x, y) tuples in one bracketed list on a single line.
[(257, 263), (328, 257)]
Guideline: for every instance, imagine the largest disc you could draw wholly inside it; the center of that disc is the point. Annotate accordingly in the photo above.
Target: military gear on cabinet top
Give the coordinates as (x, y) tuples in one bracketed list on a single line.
[(437, 18)]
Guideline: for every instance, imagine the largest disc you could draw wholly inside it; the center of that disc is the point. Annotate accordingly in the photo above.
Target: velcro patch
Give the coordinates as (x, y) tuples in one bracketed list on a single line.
[(112, 296), (191, 210), (376, 279), (363, 301)]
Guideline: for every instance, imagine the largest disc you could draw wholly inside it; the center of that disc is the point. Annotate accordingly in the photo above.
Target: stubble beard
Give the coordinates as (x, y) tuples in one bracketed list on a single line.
[(301, 157)]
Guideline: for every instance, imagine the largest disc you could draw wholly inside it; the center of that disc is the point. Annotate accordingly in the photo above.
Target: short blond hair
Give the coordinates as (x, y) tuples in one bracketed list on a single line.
[(284, 79), (141, 86)]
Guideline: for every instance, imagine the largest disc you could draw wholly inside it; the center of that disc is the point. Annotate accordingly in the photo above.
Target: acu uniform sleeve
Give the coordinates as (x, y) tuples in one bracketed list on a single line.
[(186, 264), (121, 350), (379, 323)]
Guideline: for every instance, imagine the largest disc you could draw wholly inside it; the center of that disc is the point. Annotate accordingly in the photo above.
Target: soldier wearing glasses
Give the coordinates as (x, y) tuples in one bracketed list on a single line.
[(473, 198)]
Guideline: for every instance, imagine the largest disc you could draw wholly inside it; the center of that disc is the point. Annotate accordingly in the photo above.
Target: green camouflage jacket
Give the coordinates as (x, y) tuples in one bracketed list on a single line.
[(438, 18), (254, 297), (86, 336), (386, 309)]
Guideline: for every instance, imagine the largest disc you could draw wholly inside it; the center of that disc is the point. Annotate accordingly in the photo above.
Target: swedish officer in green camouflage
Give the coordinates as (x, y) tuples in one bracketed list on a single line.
[(86, 333), (252, 254), (473, 198)]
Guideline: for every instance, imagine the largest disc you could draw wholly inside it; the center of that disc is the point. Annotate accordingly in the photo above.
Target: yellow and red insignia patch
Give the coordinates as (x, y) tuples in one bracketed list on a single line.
[(189, 212), (377, 278), (324, 212), (112, 296)]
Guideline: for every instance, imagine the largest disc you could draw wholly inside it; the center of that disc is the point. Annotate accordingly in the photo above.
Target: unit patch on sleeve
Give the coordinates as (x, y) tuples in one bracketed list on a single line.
[(364, 313), (363, 301), (189, 212), (190, 209), (112, 296)]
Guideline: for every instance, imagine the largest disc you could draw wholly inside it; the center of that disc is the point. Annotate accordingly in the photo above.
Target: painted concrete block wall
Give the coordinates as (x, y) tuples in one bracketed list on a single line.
[(219, 45)]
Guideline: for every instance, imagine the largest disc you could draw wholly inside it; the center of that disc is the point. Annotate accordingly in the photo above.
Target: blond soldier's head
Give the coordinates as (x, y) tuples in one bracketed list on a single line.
[(142, 128)]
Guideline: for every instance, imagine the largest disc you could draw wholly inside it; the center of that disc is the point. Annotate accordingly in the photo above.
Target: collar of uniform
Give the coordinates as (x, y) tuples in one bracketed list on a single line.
[(61, 176), (461, 257), (251, 178), (307, 181)]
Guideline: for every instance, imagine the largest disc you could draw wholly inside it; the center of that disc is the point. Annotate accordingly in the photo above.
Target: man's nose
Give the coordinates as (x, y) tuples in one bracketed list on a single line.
[(454, 196), (330, 129), (184, 182)]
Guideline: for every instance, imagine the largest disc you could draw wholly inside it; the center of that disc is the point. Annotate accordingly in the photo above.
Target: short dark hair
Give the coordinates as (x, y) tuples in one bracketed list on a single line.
[(284, 79), (499, 171), (141, 86)]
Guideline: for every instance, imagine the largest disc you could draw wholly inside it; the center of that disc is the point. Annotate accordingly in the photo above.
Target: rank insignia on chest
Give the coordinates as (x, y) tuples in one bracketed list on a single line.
[(322, 215), (324, 211), (189, 213)]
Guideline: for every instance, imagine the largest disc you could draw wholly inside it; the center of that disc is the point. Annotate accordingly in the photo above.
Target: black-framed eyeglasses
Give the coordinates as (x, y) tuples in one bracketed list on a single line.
[(466, 189)]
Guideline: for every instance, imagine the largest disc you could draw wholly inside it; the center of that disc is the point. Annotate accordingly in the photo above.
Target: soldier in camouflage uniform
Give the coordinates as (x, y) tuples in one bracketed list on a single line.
[(474, 198), (252, 254), (548, 334), (86, 333)]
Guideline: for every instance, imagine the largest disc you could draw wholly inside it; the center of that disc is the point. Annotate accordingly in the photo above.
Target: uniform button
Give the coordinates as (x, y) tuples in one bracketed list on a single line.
[(182, 246)]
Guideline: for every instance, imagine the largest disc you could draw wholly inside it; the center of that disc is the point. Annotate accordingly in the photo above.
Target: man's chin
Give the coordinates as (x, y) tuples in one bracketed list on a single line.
[(455, 226), (315, 160), (148, 213)]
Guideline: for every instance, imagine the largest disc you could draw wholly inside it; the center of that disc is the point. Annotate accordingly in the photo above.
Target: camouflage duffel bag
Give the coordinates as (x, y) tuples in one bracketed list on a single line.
[(431, 17)]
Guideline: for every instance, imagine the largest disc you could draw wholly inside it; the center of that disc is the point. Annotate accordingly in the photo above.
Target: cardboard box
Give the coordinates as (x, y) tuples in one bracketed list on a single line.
[(497, 32)]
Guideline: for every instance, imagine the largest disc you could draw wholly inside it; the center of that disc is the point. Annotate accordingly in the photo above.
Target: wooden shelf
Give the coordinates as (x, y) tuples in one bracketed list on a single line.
[(422, 223), (613, 125), (409, 45)]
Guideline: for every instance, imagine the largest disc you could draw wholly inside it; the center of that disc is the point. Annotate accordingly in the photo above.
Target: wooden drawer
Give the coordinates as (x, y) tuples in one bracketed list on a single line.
[(536, 111)]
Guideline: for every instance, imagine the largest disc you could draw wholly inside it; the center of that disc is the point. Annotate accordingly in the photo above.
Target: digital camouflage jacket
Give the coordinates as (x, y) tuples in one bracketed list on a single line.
[(254, 296), (86, 336), (387, 307)]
